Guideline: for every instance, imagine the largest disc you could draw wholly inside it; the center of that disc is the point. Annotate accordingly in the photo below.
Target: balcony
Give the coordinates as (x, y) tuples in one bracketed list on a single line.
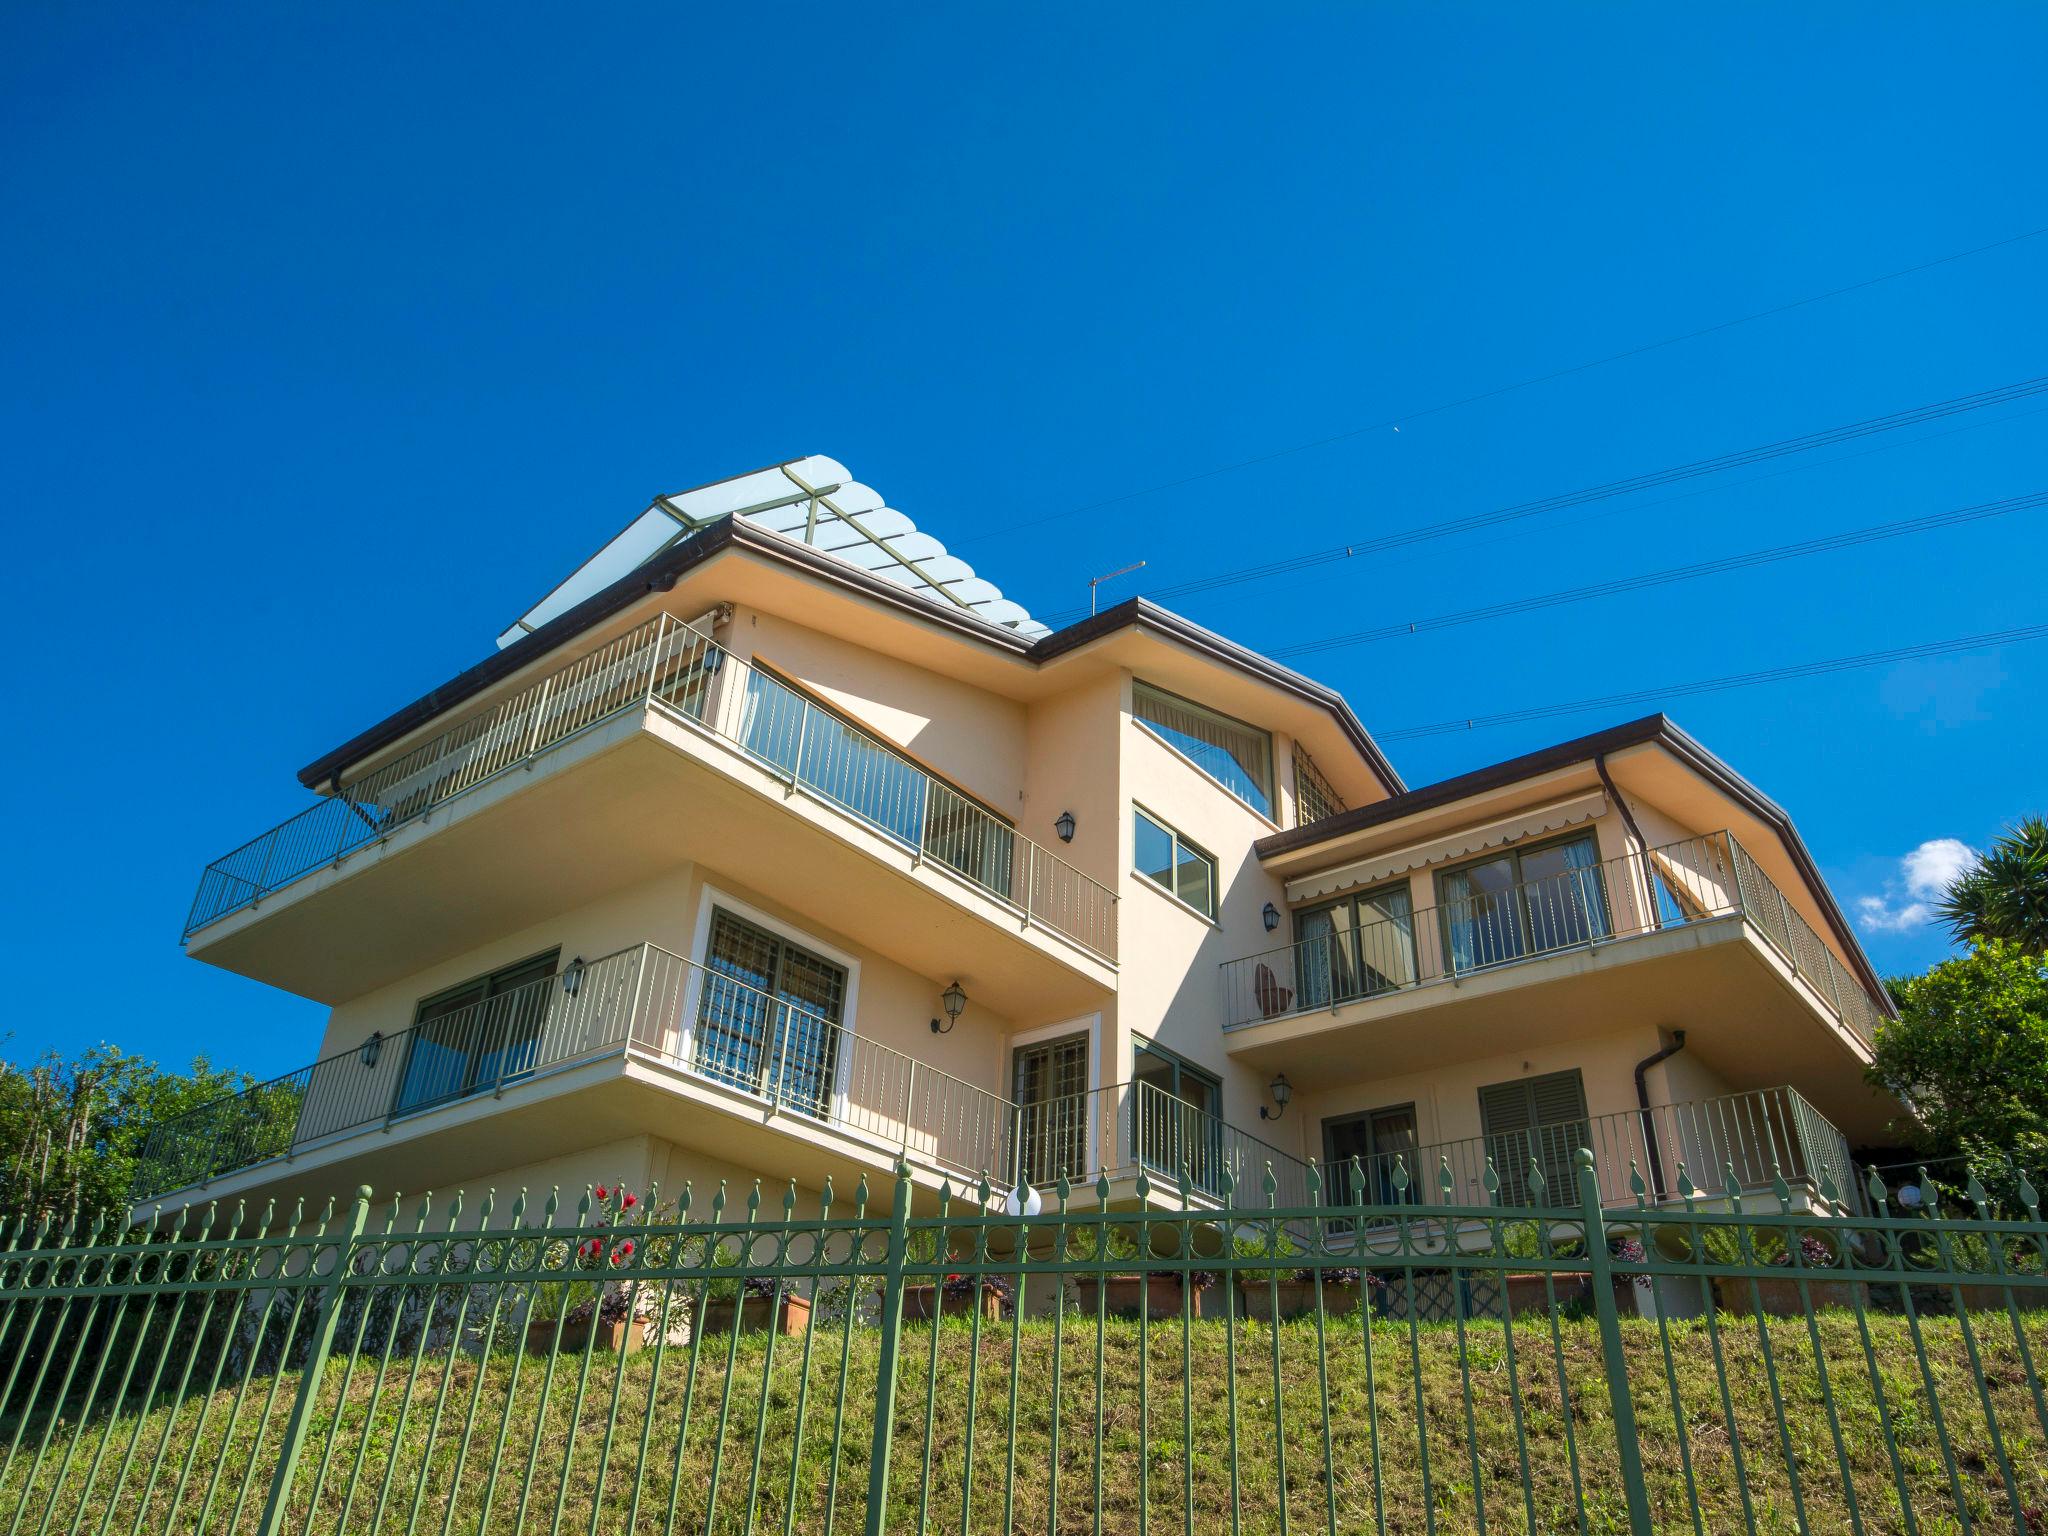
[(821, 1087), (570, 788), (1752, 1139), (1665, 890)]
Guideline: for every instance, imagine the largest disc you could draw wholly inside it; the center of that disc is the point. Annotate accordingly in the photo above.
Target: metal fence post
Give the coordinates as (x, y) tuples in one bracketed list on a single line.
[(885, 1368), (314, 1371), (1628, 1451)]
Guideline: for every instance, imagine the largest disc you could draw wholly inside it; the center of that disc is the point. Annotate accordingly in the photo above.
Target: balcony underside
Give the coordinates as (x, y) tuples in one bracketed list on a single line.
[(1745, 1015), (464, 1144), (619, 806)]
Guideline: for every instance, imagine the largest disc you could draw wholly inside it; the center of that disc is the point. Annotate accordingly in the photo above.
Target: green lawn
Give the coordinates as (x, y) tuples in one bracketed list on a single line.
[(458, 1446)]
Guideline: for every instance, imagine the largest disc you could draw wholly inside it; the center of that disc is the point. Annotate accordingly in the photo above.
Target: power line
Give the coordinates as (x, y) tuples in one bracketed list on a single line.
[(1499, 390), (1826, 544), (1722, 684), (1738, 459)]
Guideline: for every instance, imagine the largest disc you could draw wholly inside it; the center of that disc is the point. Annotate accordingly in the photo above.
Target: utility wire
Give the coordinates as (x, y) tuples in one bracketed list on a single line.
[(1499, 390), (1826, 544), (1722, 684), (1738, 459)]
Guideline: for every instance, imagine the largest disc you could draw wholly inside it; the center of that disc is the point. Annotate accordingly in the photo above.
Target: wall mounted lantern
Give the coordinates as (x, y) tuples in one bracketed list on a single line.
[(372, 1048), (954, 999), (1065, 826), (572, 976), (1272, 917), (1283, 1093)]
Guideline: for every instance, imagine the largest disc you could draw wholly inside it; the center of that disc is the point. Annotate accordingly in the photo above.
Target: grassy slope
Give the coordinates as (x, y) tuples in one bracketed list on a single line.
[(537, 1466)]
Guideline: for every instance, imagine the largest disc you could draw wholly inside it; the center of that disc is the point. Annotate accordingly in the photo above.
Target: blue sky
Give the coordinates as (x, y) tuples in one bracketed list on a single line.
[(334, 337)]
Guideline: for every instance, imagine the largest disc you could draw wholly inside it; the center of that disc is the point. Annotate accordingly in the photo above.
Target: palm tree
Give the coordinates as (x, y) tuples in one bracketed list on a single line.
[(2004, 895)]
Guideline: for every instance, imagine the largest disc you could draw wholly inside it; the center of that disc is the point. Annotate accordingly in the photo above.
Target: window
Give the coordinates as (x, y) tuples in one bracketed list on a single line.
[(1174, 864), (1050, 1081), (1235, 755), (1539, 1121), (768, 1016), (1313, 797), (477, 1035), (1523, 902), (1174, 1122), (1356, 946)]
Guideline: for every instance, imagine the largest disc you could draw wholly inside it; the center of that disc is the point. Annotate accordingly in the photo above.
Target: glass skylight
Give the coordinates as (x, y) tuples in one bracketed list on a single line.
[(815, 501)]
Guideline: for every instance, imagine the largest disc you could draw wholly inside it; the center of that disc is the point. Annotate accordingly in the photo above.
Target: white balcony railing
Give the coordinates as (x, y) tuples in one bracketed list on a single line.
[(1667, 887), (669, 667)]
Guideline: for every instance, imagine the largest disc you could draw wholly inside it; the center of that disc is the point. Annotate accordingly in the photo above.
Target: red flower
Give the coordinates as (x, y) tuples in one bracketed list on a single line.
[(626, 1249), (629, 1200), (615, 1259), (952, 1277), (603, 1193)]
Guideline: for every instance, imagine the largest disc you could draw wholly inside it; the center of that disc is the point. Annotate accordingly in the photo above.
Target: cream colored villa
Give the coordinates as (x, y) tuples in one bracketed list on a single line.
[(776, 844)]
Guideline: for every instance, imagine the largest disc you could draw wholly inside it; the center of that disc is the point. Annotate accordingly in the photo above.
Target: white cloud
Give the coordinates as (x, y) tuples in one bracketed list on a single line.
[(1909, 896)]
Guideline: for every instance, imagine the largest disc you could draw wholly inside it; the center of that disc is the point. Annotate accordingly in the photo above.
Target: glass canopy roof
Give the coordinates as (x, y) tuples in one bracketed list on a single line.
[(813, 500)]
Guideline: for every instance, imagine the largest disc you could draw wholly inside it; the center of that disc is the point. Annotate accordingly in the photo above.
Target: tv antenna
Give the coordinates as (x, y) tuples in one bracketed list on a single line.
[(1112, 576)]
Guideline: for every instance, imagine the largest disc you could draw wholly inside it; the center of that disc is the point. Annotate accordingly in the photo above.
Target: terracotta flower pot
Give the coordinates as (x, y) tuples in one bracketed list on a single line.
[(1296, 1298), (622, 1337), (918, 1304), (789, 1315), (1159, 1297)]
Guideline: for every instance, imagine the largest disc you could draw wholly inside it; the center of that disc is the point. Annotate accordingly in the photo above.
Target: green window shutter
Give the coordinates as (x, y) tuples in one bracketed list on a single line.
[(1559, 1098), (1504, 1109)]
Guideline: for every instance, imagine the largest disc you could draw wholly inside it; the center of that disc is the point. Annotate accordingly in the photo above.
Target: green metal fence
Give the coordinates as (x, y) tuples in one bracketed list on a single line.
[(623, 1363)]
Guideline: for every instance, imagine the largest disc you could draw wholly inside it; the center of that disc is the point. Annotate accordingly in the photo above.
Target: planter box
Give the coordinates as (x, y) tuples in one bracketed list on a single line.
[(788, 1315), (918, 1305), (1125, 1294), (1296, 1298), (612, 1338)]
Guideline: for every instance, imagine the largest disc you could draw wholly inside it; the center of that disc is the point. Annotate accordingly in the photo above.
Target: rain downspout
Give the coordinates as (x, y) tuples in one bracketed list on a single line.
[(1628, 819), (1650, 1121)]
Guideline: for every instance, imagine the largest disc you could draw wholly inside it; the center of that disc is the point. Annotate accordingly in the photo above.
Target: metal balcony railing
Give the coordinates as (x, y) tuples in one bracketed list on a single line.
[(1755, 1137), (657, 1006), (667, 666), (1667, 887), (1122, 1129)]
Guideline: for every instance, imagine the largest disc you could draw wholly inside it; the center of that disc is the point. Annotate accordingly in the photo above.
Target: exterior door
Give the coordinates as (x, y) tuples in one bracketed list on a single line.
[(1050, 1081), (1175, 1127), (1539, 1121), (1375, 1139), (768, 1016)]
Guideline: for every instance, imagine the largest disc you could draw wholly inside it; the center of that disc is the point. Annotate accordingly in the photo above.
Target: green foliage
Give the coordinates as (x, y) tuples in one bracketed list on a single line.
[(71, 1130), (1969, 1053), (2005, 894)]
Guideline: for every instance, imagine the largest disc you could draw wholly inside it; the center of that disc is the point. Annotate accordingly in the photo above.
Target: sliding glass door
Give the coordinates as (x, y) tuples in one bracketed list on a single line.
[(1355, 946), (1518, 903), (476, 1036)]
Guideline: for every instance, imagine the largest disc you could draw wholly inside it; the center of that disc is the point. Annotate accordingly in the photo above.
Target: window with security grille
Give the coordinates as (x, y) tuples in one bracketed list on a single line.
[(1050, 1079), (768, 1016), (1314, 799)]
